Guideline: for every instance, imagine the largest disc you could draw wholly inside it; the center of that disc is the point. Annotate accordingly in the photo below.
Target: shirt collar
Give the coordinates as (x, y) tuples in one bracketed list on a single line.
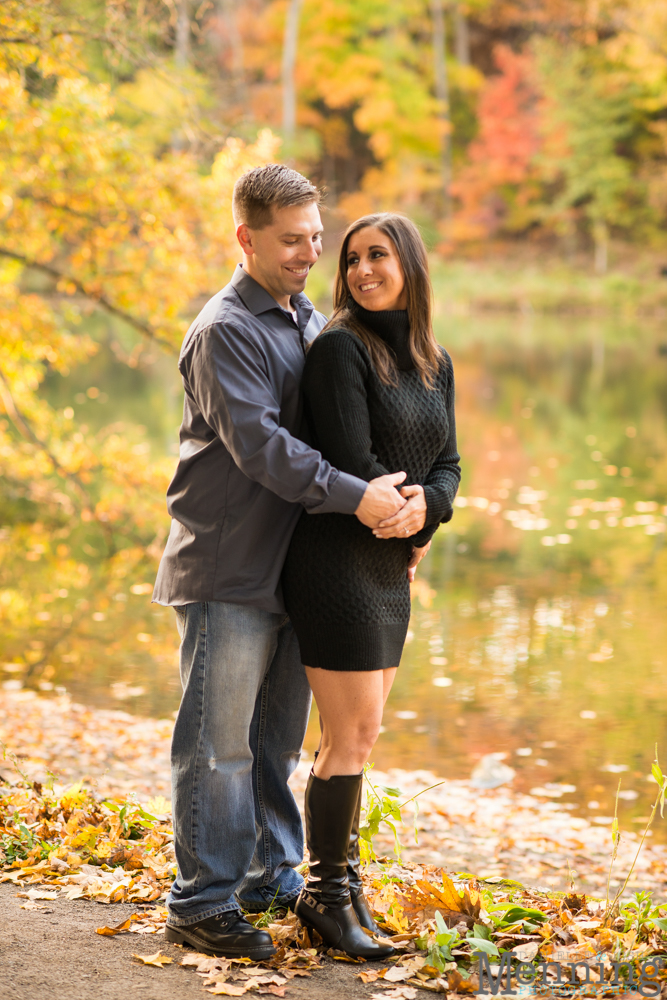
[(258, 300)]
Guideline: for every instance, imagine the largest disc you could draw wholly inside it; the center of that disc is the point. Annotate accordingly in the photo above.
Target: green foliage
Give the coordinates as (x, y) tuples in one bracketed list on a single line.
[(482, 944), (593, 117), (134, 820), (640, 899), (661, 782), (640, 913), (382, 807), (519, 914), (20, 844), (269, 914), (445, 939)]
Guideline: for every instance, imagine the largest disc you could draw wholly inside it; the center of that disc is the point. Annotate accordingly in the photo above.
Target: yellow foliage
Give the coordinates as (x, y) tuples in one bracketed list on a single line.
[(72, 797), (92, 223)]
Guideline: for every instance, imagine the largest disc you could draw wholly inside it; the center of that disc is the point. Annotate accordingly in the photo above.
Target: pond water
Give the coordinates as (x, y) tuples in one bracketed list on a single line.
[(539, 629)]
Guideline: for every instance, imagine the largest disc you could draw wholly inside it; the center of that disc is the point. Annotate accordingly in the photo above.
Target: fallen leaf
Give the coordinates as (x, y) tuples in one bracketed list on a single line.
[(206, 964), (555, 952), (118, 929), (227, 990), (272, 980), (457, 984), (402, 993), (276, 991), (341, 956), (134, 864), (371, 975), (447, 895), (158, 959), (34, 906), (430, 971), (33, 894), (397, 974), (526, 952), (435, 985)]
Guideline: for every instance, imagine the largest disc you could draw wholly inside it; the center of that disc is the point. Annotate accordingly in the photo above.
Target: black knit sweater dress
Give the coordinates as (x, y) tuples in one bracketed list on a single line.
[(345, 590)]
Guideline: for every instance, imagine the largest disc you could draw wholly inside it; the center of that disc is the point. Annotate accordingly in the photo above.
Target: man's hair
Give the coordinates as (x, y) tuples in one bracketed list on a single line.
[(261, 190)]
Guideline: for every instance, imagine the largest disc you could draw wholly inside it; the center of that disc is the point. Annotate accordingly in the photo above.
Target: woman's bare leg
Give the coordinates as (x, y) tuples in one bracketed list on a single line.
[(350, 704)]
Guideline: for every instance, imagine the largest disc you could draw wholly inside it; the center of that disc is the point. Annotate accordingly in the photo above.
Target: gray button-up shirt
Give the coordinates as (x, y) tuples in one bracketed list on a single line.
[(243, 477)]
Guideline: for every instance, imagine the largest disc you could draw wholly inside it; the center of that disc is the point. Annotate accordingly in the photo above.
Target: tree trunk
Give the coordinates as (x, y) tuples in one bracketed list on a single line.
[(289, 66), (230, 12), (601, 240), (461, 37), (182, 49), (442, 94), (597, 359)]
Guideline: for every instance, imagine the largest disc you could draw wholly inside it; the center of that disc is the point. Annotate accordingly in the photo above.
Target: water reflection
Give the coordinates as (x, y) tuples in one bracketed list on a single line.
[(539, 627), (568, 687)]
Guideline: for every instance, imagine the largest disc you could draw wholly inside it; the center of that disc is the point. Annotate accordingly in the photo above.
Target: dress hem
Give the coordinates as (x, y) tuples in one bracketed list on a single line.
[(351, 645)]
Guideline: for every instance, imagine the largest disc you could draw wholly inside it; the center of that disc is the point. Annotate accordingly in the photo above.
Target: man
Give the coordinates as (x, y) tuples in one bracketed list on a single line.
[(242, 481)]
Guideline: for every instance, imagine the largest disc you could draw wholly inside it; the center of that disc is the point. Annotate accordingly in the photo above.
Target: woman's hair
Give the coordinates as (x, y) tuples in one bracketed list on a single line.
[(412, 255)]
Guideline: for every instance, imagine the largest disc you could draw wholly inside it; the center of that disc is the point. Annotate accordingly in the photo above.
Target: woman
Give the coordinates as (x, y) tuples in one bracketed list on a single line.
[(379, 398)]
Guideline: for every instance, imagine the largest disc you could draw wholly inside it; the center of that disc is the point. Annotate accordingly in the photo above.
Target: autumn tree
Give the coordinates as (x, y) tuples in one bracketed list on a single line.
[(92, 224), (498, 187)]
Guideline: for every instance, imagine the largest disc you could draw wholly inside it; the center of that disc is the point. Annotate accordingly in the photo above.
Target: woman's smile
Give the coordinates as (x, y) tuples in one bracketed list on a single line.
[(374, 272)]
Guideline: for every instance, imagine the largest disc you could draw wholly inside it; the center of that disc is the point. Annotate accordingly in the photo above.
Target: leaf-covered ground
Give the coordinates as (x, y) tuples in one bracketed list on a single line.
[(99, 828)]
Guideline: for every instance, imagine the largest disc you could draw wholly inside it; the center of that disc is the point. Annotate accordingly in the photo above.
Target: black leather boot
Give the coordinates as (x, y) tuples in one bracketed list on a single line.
[(364, 915), (228, 934), (325, 902), (361, 908)]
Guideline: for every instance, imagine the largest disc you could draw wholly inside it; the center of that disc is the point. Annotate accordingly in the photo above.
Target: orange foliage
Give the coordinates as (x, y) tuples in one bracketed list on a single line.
[(497, 185)]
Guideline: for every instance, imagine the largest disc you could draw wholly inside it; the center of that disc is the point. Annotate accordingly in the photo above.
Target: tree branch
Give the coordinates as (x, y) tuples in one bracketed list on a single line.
[(37, 40), (101, 300), (41, 200), (24, 428)]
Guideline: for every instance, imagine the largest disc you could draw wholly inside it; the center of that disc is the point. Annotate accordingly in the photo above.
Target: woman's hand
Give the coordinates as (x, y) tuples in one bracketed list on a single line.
[(416, 558), (409, 520)]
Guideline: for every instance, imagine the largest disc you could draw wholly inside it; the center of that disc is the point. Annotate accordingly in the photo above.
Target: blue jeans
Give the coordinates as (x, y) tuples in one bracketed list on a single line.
[(237, 740)]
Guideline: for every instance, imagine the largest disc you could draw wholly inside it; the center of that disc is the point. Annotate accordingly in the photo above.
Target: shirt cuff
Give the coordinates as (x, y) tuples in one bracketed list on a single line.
[(345, 494)]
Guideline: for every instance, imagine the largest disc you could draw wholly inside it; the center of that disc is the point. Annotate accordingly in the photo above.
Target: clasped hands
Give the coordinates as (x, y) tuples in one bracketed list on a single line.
[(395, 514)]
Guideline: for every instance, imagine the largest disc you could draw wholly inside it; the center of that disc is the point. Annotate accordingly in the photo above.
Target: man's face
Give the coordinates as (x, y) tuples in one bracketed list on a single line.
[(280, 255)]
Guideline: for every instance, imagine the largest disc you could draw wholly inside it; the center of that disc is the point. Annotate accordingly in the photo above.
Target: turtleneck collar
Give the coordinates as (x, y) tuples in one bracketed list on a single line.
[(393, 326)]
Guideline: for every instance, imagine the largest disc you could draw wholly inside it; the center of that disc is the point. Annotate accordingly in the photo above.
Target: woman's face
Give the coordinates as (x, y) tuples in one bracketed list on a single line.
[(374, 272)]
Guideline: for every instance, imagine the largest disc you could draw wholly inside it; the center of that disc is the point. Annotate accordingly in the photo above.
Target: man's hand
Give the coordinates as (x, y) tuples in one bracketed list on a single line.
[(380, 500), (417, 556), (409, 520)]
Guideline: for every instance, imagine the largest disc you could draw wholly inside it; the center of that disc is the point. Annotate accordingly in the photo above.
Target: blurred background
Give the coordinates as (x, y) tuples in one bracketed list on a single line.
[(529, 142)]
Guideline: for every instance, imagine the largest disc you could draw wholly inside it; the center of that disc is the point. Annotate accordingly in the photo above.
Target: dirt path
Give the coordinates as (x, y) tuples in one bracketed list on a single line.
[(55, 954)]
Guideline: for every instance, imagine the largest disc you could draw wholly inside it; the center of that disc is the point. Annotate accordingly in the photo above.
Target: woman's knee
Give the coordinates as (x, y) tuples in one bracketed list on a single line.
[(358, 736)]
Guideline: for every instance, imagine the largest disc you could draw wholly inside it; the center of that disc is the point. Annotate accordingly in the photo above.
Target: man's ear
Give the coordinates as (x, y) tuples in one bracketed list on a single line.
[(244, 236)]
